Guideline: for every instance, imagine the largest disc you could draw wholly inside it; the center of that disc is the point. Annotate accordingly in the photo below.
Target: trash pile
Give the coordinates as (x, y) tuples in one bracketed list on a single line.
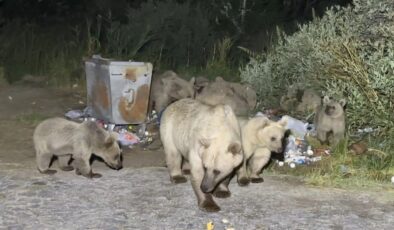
[(298, 150), (129, 135)]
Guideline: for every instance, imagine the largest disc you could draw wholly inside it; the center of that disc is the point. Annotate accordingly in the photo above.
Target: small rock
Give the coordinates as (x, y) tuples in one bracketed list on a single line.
[(10, 98), (225, 221), (281, 163), (392, 179), (358, 148)]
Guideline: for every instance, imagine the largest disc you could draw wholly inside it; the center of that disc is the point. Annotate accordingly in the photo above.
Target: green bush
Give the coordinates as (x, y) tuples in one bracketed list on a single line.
[(349, 53)]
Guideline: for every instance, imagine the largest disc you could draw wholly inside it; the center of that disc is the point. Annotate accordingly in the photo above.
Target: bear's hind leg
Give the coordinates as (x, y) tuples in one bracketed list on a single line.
[(43, 162), (174, 164), (322, 136), (259, 159), (242, 175), (64, 163), (82, 167), (185, 167)]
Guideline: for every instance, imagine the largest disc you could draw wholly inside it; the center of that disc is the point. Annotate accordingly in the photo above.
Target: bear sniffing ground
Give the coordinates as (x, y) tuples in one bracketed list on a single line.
[(141, 196)]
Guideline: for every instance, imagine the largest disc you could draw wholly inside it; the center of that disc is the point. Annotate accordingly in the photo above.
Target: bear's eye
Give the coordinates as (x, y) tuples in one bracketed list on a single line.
[(273, 138), (216, 172)]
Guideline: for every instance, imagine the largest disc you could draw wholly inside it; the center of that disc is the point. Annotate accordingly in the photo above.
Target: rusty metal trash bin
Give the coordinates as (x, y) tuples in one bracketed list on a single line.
[(118, 91)]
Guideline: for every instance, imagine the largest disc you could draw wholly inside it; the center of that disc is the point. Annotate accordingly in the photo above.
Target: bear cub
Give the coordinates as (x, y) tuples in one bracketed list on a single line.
[(67, 139)]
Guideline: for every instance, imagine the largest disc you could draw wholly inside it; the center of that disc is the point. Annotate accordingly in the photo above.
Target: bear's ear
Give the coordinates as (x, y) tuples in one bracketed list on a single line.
[(326, 99), (164, 81), (260, 133), (235, 148), (174, 91), (342, 102), (109, 141), (265, 121), (283, 121), (219, 78), (115, 135), (192, 81), (205, 142)]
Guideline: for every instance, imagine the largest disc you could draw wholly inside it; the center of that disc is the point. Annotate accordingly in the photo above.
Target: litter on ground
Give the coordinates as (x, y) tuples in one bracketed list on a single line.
[(129, 135)]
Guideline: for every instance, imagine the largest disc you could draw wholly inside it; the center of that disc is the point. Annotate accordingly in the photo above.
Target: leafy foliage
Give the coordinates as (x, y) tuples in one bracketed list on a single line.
[(347, 53)]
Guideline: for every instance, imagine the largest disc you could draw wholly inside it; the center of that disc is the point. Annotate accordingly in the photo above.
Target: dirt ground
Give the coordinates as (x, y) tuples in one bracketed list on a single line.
[(140, 196)]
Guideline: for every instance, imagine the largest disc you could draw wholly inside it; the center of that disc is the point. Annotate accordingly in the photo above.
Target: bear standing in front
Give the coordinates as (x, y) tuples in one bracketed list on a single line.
[(260, 137), (66, 139), (209, 138)]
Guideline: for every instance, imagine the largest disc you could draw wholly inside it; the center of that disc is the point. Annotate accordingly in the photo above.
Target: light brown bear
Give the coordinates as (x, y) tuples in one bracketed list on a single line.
[(167, 88), (240, 98), (200, 83), (209, 138), (310, 101), (260, 137), (67, 139), (330, 118)]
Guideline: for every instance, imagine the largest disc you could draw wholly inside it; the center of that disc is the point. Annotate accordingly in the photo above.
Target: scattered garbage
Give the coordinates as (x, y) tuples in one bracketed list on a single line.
[(228, 224), (74, 114), (210, 225), (344, 170), (298, 150), (298, 128), (366, 130), (127, 138), (225, 221), (129, 135)]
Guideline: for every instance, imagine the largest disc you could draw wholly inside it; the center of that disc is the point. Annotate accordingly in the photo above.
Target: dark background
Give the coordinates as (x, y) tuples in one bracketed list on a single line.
[(51, 37)]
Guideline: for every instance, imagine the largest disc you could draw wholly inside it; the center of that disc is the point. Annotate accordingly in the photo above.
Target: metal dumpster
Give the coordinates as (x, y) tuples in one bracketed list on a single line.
[(118, 91)]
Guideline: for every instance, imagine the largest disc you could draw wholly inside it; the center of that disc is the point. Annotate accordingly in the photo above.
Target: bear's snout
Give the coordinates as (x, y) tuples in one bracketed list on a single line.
[(119, 166), (116, 166), (207, 185)]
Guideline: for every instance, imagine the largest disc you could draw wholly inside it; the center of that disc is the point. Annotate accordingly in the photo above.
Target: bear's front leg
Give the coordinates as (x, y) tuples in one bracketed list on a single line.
[(242, 175), (337, 137), (256, 163), (82, 167), (174, 164), (43, 161), (205, 200), (64, 163), (222, 190), (322, 136)]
